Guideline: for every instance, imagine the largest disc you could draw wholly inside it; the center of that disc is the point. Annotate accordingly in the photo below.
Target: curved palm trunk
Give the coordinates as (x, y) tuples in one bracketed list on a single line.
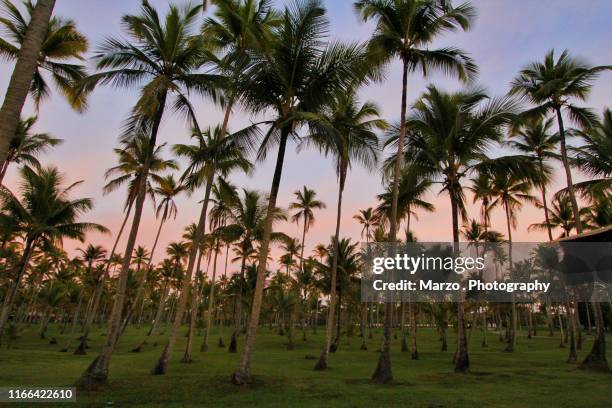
[(242, 374), (303, 243), (23, 73), (383, 373), (233, 346), (568, 173), (158, 315), (9, 298), (211, 303), (4, 167), (75, 319), (162, 364), (96, 374), (195, 296), (329, 328)]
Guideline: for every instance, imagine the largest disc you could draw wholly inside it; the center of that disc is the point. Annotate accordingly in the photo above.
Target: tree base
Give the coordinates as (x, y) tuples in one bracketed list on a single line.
[(383, 373), (233, 347), (415, 355), (203, 348), (221, 344), (93, 379), (404, 348), (241, 377), (321, 364), (80, 351), (160, 368), (363, 347)]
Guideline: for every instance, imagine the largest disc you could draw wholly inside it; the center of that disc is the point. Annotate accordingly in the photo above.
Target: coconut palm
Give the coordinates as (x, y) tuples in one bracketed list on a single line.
[(533, 138), (368, 218), (445, 153), (292, 249), (214, 154), (246, 225), (560, 216), (304, 205), (552, 86), (31, 37), (25, 146), (161, 58), (404, 30), (296, 74), (44, 214), (345, 130), (509, 192), (133, 162), (594, 157), (411, 192)]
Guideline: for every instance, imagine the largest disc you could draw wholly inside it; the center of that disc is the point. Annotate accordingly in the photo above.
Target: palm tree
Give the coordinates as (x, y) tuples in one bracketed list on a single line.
[(560, 216), (62, 43), (25, 146), (368, 218), (551, 86), (213, 155), (164, 56), (410, 198), (444, 152), (133, 161), (481, 190), (509, 192), (305, 202), (44, 214), (246, 226), (294, 75), (404, 29), (346, 130), (533, 139), (28, 59), (292, 249), (594, 156)]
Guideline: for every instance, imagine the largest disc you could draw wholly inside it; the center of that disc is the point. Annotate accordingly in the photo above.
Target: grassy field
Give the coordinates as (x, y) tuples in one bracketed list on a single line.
[(535, 375)]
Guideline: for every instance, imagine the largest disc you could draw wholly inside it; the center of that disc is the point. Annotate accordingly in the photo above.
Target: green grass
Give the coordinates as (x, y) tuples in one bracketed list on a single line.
[(535, 375)]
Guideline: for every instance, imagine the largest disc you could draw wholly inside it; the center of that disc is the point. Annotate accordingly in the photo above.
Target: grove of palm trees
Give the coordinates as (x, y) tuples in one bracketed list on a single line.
[(189, 192)]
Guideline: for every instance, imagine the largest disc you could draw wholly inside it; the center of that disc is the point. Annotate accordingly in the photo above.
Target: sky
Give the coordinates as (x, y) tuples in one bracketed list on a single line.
[(507, 34)]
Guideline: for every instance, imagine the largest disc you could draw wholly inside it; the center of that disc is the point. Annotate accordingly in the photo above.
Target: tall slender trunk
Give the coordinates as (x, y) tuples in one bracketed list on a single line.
[(383, 373), (322, 363), (75, 318), (211, 303), (571, 323), (303, 244), (513, 318), (9, 298), (544, 201), (462, 360), (242, 374), (233, 346), (4, 167), (164, 359), (23, 73), (568, 173), (96, 374)]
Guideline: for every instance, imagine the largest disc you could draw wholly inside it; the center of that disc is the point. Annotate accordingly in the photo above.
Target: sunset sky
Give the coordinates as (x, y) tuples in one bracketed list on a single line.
[(507, 35)]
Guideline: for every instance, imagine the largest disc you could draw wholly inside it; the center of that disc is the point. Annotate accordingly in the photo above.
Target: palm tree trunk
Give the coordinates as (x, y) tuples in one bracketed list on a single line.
[(322, 363), (303, 243), (9, 298), (233, 346), (462, 361), (96, 375), (383, 373), (75, 318), (572, 357), (23, 73), (162, 364), (568, 173), (512, 339), (544, 202), (4, 167), (596, 360), (242, 374), (211, 303)]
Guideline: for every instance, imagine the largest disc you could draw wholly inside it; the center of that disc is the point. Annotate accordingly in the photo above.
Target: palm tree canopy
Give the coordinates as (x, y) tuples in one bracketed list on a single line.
[(132, 159), (297, 73), (44, 212), (305, 203), (410, 197), (161, 57), (25, 146), (550, 85), (406, 28), (62, 44), (167, 189)]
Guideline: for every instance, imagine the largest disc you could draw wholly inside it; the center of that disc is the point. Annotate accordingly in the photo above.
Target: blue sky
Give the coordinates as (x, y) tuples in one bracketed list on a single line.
[(507, 35)]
